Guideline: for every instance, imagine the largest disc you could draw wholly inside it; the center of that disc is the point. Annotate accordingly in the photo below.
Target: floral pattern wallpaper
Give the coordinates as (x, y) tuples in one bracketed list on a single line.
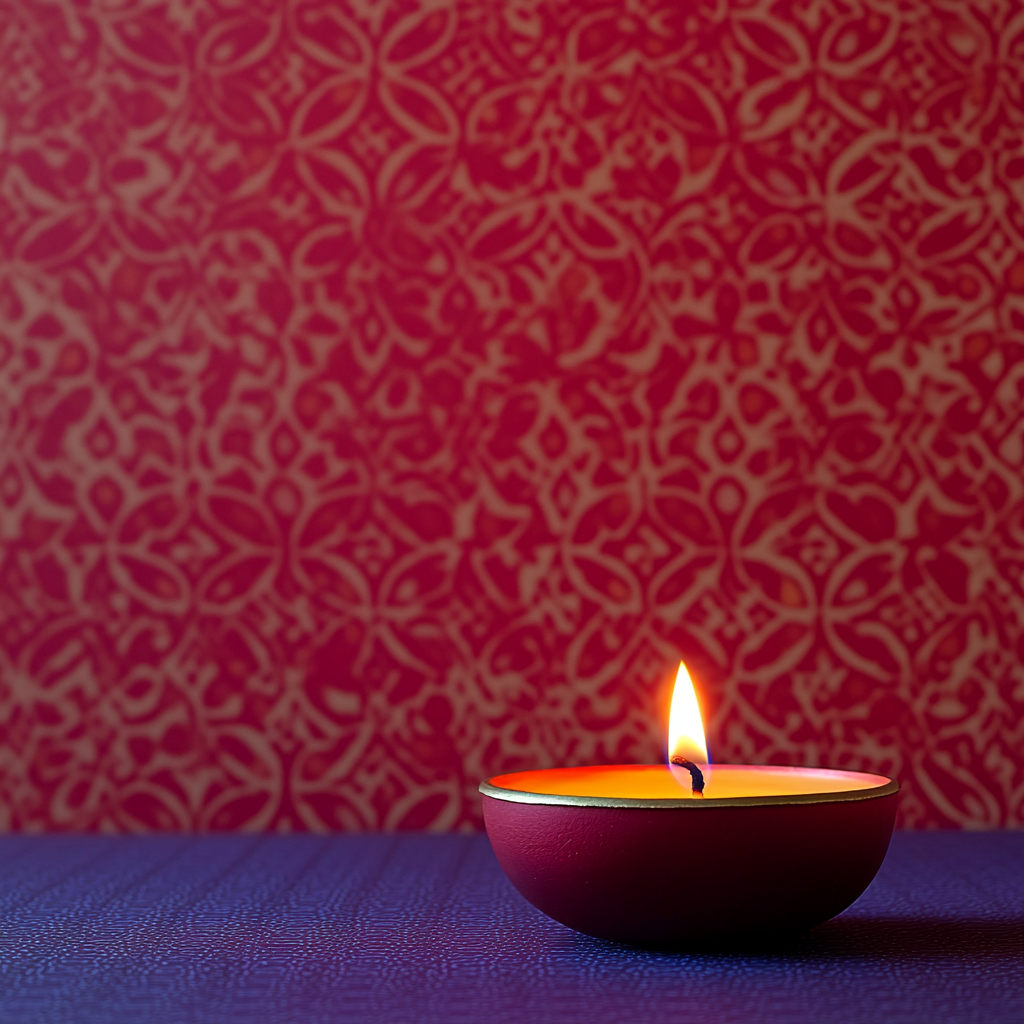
[(392, 391)]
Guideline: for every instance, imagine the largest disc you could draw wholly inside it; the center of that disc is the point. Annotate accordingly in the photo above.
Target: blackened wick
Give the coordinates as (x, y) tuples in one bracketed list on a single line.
[(696, 775)]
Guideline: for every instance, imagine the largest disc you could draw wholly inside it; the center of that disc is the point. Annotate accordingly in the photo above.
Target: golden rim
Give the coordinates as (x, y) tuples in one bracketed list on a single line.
[(517, 796)]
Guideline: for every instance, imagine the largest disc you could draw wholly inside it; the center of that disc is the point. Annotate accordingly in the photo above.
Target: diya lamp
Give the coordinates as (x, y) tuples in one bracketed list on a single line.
[(688, 852)]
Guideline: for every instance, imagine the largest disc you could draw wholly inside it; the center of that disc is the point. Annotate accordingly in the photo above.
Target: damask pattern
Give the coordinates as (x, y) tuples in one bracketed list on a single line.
[(393, 390)]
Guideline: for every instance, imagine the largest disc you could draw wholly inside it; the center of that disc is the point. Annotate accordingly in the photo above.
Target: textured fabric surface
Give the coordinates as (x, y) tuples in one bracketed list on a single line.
[(425, 929), (392, 390)]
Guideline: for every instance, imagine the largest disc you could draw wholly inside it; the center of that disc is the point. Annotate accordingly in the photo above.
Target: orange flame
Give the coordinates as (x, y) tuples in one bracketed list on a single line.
[(685, 726)]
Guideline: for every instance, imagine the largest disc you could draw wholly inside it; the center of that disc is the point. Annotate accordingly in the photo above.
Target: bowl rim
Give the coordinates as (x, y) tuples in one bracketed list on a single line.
[(518, 796)]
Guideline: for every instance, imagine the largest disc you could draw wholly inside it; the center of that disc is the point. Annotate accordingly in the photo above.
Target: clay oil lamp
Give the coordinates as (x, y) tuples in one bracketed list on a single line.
[(688, 852)]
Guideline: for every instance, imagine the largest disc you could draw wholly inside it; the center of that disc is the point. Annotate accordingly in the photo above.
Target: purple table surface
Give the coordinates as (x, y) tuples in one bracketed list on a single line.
[(420, 928)]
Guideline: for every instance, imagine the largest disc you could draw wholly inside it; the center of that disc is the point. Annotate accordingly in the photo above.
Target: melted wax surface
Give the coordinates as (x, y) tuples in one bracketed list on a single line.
[(660, 782)]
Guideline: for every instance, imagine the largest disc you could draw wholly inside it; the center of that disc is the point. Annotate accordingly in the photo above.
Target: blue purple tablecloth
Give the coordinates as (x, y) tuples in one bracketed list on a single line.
[(420, 928)]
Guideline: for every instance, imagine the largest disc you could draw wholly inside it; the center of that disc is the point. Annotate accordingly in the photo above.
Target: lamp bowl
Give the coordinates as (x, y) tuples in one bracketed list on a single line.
[(691, 871)]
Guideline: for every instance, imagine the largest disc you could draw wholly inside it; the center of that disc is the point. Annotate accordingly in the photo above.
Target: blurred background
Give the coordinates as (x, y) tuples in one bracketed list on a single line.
[(392, 391)]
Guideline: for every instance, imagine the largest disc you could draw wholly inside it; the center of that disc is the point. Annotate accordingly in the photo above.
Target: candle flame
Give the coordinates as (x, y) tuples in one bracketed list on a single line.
[(685, 726)]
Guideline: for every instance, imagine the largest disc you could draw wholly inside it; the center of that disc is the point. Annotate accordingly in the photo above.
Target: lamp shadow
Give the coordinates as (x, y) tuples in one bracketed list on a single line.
[(862, 938), (903, 938)]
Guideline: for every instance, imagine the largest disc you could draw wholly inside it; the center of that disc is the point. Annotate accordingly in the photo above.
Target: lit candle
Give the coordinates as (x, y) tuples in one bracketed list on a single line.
[(686, 851)]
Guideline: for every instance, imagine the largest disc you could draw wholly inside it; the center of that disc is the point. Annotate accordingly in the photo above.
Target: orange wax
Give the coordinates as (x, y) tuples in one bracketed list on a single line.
[(659, 782)]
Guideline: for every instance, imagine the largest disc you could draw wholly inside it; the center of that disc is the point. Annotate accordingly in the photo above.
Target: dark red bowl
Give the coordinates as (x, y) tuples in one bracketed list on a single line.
[(689, 872)]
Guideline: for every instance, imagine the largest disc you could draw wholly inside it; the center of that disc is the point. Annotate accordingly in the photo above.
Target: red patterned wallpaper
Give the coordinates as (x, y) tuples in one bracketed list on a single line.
[(392, 390)]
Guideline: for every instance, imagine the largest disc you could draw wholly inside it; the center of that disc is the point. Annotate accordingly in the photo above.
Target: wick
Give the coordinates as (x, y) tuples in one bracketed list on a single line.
[(696, 775)]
